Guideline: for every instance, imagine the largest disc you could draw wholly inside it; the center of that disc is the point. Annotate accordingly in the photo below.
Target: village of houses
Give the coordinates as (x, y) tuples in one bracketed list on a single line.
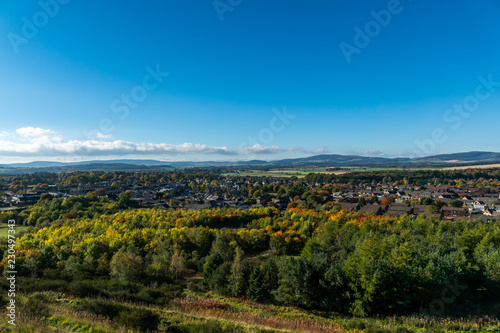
[(475, 203)]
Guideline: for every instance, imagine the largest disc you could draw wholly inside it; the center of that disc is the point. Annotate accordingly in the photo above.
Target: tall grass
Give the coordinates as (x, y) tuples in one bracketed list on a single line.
[(201, 313)]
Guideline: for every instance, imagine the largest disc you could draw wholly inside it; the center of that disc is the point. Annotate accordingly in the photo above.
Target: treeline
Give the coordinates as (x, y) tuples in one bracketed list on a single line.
[(94, 177), (472, 177), (195, 176), (49, 209), (328, 260)]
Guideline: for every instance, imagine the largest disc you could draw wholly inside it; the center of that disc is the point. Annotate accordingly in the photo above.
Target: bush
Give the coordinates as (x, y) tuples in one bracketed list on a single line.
[(33, 285), (100, 307), (205, 326), (3, 301), (36, 305), (357, 324), (83, 289), (139, 318), (161, 296)]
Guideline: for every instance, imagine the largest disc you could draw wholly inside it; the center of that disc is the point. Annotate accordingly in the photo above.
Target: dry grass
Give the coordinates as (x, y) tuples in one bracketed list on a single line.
[(484, 166), (452, 324), (207, 307), (249, 317), (241, 315)]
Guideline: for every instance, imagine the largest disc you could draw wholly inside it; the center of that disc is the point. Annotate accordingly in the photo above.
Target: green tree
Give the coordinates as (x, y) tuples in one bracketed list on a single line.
[(455, 203), (46, 197), (211, 263), (270, 276), (176, 264), (239, 274), (74, 268), (125, 200), (219, 280), (433, 209), (426, 201), (127, 264), (295, 284), (223, 247), (254, 291)]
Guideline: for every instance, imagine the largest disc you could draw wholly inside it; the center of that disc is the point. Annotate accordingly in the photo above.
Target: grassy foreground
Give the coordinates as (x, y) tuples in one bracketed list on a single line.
[(58, 312)]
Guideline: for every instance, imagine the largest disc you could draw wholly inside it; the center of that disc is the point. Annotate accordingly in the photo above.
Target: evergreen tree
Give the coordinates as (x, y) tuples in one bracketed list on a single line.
[(255, 290), (269, 277), (211, 264), (219, 280), (239, 274)]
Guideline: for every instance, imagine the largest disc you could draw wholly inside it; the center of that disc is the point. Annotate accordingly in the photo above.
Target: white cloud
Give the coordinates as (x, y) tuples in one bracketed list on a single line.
[(367, 153), (373, 153), (321, 150), (104, 136), (36, 142), (266, 150), (34, 132), (258, 149)]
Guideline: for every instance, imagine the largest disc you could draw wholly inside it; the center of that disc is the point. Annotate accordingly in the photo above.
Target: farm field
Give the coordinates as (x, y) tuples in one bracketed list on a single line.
[(302, 172), (8, 208), (466, 167), (4, 230), (5, 170), (288, 172)]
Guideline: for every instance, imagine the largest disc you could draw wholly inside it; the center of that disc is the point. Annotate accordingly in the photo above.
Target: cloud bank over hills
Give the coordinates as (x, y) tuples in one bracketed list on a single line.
[(35, 142)]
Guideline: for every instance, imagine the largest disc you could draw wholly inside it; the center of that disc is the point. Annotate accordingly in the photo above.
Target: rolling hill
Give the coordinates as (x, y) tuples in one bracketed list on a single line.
[(456, 159)]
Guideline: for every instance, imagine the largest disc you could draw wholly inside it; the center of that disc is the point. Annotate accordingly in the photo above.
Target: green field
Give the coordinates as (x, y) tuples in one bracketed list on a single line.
[(4, 229), (259, 173), (284, 172), (302, 172)]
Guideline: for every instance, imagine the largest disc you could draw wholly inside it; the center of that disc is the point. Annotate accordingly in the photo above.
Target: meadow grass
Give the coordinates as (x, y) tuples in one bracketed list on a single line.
[(4, 229)]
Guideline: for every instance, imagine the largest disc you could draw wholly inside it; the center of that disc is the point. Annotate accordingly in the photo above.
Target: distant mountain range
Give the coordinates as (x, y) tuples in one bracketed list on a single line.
[(356, 160), (468, 158), (44, 164)]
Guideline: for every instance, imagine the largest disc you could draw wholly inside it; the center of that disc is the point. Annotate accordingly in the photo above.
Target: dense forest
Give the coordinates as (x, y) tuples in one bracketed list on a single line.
[(470, 177), (94, 177), (332, 261)]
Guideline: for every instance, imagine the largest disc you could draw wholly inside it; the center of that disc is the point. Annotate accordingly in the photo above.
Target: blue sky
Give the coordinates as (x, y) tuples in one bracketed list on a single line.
[(247, 79)]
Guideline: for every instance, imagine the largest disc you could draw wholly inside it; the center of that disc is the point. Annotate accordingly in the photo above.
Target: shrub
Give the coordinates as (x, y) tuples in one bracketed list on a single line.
[(33, 285), (83, 289), (139, 318), (36, 305), (3, 301), (100, 307)]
